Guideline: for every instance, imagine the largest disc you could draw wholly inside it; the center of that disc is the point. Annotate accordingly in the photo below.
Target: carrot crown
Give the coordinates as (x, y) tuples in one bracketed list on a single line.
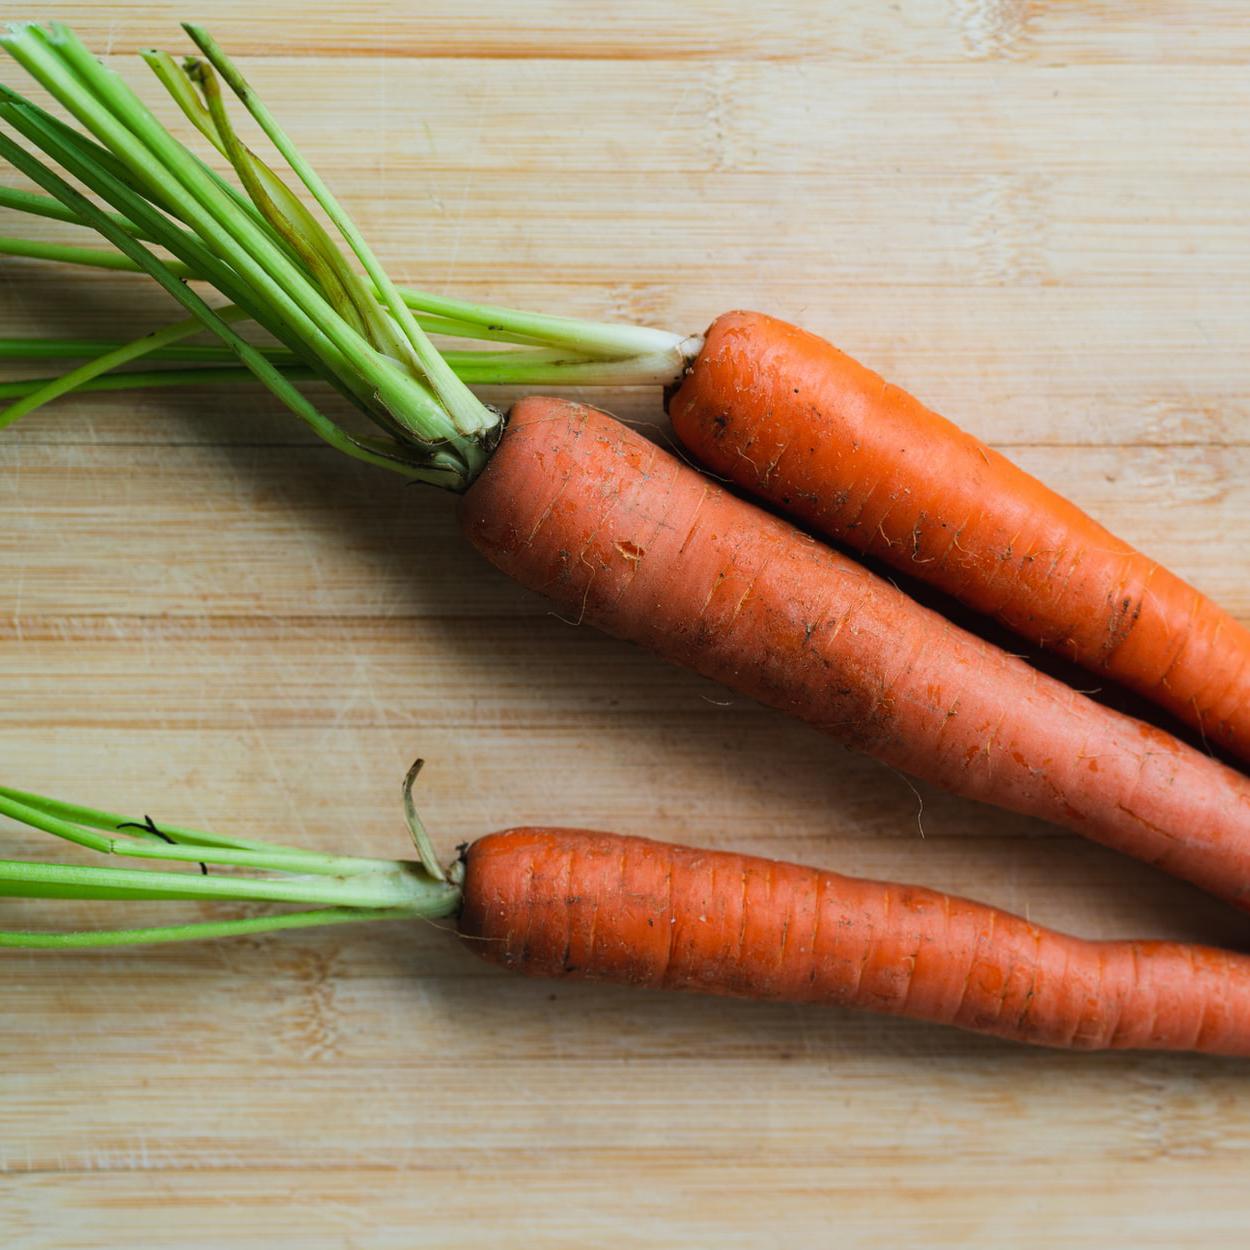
[(331, 889), (331, 311)]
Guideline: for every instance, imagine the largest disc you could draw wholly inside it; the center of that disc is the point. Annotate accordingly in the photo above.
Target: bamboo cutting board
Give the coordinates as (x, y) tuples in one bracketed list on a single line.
[(1034, 215)]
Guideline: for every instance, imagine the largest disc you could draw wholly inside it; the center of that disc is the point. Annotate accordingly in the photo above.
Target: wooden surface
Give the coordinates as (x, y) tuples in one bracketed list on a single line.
[(1033, 214)]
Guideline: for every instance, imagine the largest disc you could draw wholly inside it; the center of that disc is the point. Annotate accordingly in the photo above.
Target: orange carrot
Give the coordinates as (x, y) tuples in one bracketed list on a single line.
[(568, 903), (624, 536), (790, 418), (571, 903)]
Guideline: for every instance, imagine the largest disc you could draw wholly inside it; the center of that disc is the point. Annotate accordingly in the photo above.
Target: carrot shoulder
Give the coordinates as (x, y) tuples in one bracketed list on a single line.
[(569, 903), (789, 417), (624, 536)]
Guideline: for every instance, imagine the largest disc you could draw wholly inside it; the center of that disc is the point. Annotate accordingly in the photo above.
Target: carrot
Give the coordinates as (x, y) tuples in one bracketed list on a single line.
[(595, 906), (571, 903), (571, 503), (624, 536), (793, 420)]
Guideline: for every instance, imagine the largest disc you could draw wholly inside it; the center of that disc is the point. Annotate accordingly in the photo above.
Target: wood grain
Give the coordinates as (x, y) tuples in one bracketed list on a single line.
[(1032, 214)]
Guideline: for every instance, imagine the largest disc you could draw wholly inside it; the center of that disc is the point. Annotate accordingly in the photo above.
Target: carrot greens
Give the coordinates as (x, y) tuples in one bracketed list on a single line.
[(333, 312), (340, 888)]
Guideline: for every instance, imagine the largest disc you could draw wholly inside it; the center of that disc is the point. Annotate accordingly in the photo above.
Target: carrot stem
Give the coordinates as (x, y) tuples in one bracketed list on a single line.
[(202, 931), (92, 257), (108, 361), (80, 349), (153, 379), (343, 888), (255, 251)]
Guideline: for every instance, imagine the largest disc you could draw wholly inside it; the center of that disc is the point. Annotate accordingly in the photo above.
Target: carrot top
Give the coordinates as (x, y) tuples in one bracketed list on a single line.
[(329, 307), (329, 889)]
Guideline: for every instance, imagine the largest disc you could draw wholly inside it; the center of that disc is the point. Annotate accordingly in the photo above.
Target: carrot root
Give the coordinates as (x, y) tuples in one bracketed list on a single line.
[(571, 903)]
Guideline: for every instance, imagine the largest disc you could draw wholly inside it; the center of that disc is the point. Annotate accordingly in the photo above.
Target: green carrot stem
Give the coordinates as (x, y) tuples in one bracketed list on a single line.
[(340, 888), (406, 886), (94, 257), (155, 379), (467, 413), (108, 361), (37, 205), (95, 818), (78, 349), (209, 929), (477, 368), (149, 842)]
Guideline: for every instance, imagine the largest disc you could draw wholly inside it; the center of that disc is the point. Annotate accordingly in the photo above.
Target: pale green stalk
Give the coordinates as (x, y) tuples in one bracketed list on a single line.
[(207, 930), (469, 416), (92, 257), (78, 349), (44, 206), (108, 361), (341, 889), (537, 368), (157, 379)]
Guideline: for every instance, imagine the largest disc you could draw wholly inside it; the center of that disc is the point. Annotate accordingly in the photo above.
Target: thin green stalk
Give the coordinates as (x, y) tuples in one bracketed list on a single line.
[(92, 257), (592, 338), (95, 818), (475, 368), (79, 349), (539, 368), (150, 842), (108, 361), (341, 889), (467, 413), (408, 885), (202, 931), (158, 379), (43, 205)]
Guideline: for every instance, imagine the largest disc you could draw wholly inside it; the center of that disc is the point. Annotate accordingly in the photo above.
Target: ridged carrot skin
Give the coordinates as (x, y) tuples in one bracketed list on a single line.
[(622, 535), (796, 422), (571, 903)]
